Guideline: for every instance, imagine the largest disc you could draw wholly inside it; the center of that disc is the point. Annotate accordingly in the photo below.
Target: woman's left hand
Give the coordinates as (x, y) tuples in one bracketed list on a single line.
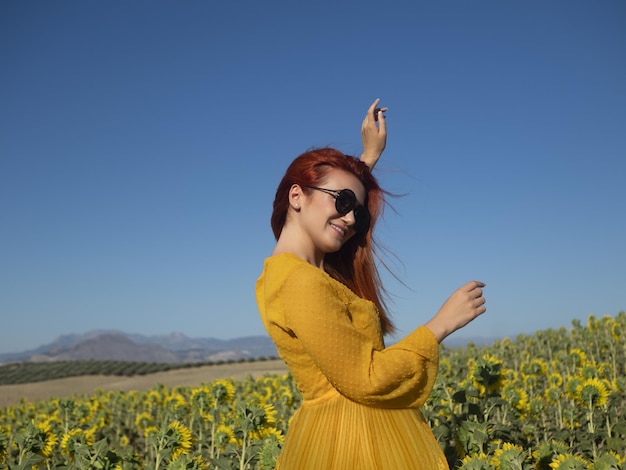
[(373, 135)]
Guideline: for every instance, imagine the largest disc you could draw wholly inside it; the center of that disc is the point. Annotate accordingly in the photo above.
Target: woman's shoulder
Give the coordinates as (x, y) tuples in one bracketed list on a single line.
[(287, 270), (285, 265)]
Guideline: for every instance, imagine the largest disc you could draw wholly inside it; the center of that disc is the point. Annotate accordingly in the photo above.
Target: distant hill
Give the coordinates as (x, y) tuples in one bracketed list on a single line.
[(113, 345), (119, 346)]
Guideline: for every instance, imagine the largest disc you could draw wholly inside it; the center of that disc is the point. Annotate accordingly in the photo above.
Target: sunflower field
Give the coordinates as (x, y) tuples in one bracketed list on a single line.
[(555, 400)]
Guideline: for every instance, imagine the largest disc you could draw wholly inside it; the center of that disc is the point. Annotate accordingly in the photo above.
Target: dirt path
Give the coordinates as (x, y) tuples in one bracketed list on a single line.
[(12, 394)]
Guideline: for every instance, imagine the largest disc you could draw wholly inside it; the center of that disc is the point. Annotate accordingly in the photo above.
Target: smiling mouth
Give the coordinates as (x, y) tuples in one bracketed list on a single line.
[(339, 230)]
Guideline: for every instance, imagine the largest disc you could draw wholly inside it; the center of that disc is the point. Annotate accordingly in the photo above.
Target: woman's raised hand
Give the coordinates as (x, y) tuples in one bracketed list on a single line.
[(373, 134), (465, 304)]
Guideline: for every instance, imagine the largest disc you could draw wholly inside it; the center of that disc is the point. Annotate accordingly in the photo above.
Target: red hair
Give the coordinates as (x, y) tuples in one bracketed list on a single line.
[(354, 264)]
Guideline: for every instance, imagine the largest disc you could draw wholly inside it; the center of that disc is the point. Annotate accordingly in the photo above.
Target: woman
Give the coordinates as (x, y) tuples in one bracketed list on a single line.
[(320, 299)]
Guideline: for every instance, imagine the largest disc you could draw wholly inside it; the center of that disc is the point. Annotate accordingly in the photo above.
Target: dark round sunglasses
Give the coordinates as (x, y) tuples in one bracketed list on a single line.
[(345, 201)]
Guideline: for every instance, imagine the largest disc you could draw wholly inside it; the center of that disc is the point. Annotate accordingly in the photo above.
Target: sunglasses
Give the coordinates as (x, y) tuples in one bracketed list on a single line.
[(345, 201)]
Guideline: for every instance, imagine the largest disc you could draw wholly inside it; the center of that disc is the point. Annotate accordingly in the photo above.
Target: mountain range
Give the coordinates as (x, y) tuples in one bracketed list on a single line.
[(113, 345), (119, 346)]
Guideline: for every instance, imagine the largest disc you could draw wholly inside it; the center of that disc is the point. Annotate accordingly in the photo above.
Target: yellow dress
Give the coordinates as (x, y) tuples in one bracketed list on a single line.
[(361, 400)]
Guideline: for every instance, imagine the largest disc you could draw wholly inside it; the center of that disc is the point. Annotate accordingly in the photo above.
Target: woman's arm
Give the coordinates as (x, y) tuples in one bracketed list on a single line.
[(399, 376), (373, 134), (465, 304)]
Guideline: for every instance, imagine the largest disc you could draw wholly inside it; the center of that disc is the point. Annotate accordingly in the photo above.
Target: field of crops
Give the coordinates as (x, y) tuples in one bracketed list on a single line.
[(555, 400), (29, 372)]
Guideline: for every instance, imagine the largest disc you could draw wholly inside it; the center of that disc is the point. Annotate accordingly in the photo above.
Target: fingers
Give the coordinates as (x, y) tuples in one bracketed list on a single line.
[(370, 113), (474, 284), (382, 124), (479, 300), (372, 108), (374, 113), (479, 305), (474, 291), (373, 135)]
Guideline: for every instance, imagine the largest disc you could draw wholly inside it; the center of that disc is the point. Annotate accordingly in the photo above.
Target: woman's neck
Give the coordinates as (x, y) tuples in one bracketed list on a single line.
[(289, 243)]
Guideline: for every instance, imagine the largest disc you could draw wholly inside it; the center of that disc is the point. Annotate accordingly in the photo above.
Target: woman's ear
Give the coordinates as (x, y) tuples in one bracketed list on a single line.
[(295, 196)]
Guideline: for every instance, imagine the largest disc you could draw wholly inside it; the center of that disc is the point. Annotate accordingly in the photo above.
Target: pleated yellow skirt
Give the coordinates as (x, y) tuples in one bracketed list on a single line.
[(336, 433)]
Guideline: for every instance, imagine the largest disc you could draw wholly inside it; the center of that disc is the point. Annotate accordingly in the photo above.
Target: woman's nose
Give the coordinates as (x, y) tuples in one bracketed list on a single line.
[(349, 218)]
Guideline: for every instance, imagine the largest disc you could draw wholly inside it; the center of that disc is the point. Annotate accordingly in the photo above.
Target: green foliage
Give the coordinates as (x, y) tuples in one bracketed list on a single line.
[(555, 393), (549, 401), (29, 372)]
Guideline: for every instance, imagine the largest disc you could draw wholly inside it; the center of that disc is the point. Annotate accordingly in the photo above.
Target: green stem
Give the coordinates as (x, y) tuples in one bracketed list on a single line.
[(590, 417), (242, 460), (213, 447), (213, 423), (608, 426)]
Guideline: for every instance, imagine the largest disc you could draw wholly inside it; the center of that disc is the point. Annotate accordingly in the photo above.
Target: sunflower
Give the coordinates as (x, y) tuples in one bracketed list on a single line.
[(82, 411), (47, 439), (54, 421), (90, 435), (508, 456), (270, 381), (592, 322), (589, 370), (486, 374), (555, 379), (535, 367), (150, 431), (509, 376), (277, 434), (592, 393), (517, 397), (4, 444), (569, 462), (223, 391), (134, 396), (260, 416), (546, 451), (143, 420), (605, 370), (618, 384), (153, 397), (617, 332), (264, 422), (553, 394), (577, 357), (529, 381), (176, 402), (609, 385), (269, 391), (70, 439), (536, 406), (201, 398), (286, 397), (263, 395), (571, 423), (224, 435), (180, 438), (571, 386), (476, 462)]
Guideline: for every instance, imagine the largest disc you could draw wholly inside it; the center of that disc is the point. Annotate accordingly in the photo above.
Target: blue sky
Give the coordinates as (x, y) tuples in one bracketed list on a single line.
[(141, 143)]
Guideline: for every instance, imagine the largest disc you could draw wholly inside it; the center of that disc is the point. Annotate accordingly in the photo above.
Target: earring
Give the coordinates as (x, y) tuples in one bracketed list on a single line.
[(296, 206)]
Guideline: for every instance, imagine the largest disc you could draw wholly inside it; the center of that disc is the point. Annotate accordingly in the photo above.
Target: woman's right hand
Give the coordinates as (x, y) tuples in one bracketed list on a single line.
[(465, 304), (373, 134)]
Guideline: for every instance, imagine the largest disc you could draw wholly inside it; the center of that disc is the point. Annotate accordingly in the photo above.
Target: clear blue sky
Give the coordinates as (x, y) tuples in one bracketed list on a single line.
[(141, 143)]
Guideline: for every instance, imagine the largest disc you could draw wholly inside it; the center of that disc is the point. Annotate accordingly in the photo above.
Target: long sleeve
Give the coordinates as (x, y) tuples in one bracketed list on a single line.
[(360, 399), (335, 330)]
